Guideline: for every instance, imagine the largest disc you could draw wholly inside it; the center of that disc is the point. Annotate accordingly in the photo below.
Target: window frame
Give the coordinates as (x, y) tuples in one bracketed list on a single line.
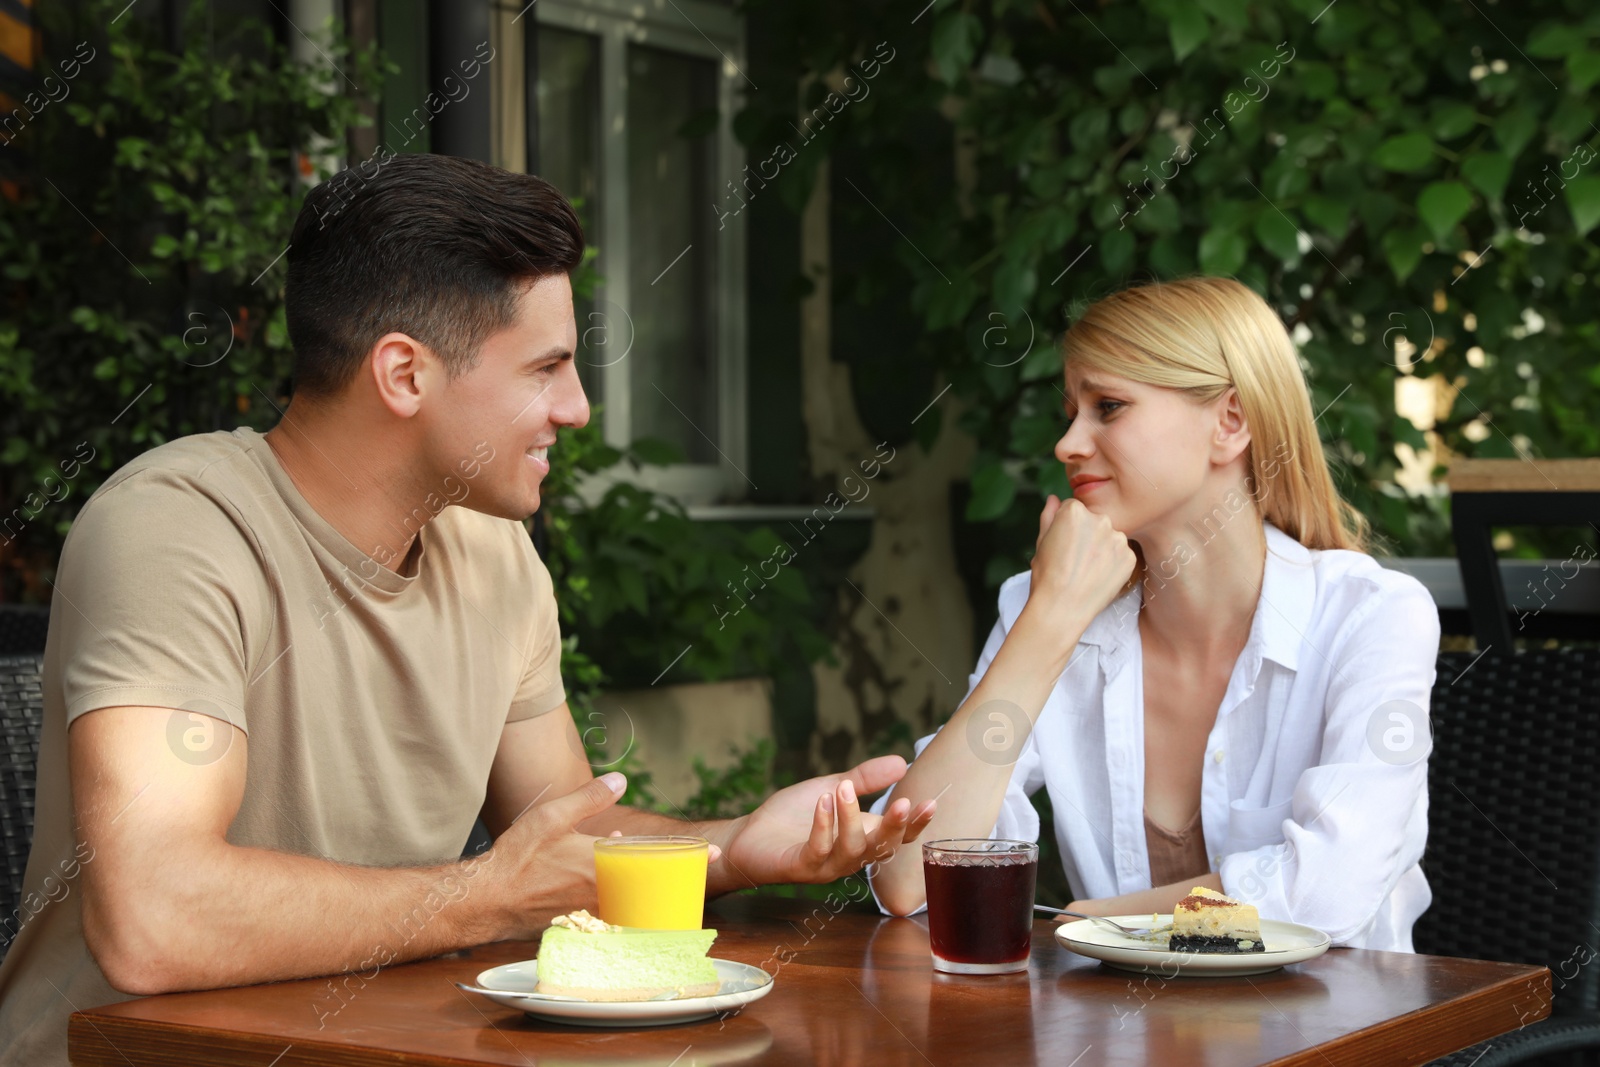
[(708, 31)]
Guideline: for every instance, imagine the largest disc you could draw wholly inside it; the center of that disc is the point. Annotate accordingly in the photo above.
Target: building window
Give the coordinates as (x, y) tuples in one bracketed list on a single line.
[(634, 125)]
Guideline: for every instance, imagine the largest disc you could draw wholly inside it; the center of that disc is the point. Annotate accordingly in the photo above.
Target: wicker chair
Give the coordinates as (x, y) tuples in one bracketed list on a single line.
[(21, 709), (1513, 792)]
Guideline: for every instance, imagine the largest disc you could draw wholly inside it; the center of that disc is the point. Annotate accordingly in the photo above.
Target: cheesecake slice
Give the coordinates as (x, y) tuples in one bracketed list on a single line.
[(1208, 921), (582, 956)]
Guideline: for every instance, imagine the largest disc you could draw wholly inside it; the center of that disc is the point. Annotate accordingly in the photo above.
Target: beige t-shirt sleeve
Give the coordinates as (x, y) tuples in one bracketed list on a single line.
[(540, 690), (158, 584)]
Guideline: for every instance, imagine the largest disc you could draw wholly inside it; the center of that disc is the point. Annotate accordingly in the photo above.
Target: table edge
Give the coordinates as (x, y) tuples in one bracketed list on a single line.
[(1355, 1048), (103, 1050)]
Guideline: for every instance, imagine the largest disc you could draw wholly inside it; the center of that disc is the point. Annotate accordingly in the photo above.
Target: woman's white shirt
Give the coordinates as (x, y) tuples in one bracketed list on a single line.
[(1314, 800)]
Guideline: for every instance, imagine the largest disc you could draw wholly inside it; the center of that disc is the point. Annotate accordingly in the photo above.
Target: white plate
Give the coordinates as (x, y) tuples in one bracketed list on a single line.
[(516, 986), (1286, 943)]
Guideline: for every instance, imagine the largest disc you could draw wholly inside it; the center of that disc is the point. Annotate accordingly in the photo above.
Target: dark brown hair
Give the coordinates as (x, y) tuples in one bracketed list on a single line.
[(436, 247)]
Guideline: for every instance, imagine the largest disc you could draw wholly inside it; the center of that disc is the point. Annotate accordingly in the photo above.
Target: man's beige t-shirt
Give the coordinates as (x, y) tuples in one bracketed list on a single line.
[(199, 579)]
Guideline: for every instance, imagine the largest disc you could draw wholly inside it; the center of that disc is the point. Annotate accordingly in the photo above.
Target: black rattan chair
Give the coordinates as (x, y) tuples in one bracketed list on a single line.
[(21, 709), (1514, 790), (1486, 494)]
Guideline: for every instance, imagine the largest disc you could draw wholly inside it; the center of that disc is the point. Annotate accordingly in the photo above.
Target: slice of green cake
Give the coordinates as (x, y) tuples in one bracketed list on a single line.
[(581, 956)]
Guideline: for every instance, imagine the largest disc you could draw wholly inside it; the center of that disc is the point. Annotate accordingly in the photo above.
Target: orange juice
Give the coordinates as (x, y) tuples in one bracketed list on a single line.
[(658, 883)]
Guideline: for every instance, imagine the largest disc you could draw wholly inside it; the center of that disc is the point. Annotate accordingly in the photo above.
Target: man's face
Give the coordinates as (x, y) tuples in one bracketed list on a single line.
[(501, 417)]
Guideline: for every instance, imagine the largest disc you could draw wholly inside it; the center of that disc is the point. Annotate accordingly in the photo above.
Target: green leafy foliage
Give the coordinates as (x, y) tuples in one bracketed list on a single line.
[(1405, 152), (639, 582), (142, 293), (1442, 205), (1440, 161), (736, 789), (1583, 200), (1487, 171)]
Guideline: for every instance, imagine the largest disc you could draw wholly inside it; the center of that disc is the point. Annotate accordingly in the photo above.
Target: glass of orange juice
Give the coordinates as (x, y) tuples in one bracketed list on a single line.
[(657, 883)]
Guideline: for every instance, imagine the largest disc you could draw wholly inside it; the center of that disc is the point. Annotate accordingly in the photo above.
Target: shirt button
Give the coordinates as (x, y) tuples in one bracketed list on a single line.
[(1216, 757), (1216, 861)]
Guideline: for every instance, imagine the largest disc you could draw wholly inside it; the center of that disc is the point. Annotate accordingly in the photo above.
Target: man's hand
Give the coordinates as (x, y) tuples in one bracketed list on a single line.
[(814, 831), (810, 832), (541, 866)]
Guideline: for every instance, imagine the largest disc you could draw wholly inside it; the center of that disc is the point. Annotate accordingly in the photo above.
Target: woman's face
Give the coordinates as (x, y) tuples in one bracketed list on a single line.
[(1144, 456)]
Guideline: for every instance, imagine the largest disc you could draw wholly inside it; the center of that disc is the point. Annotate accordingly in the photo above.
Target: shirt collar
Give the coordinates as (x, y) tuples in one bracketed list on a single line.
[(1118, 623), (1283, 612), (1288, 595)]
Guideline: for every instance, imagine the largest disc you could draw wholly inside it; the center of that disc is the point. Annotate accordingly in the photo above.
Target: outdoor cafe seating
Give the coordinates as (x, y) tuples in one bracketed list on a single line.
[(1513, 859)]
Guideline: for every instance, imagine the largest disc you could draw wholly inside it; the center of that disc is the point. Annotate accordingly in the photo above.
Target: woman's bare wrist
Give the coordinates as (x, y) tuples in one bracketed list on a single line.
[(1051, 627)]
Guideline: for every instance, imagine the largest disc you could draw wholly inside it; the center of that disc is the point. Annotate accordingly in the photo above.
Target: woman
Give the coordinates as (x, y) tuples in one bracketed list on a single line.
[(1212, 680)]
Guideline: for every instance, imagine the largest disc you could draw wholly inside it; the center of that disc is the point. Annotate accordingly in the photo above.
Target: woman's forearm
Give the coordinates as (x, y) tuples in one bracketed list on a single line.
[(1161, 899), (968, 764)]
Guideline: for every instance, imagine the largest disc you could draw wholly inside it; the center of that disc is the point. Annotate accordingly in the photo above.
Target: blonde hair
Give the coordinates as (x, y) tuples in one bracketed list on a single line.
[(1202, 336)]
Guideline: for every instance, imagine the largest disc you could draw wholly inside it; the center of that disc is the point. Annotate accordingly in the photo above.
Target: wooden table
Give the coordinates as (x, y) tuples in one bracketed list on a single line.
[(852, 989)]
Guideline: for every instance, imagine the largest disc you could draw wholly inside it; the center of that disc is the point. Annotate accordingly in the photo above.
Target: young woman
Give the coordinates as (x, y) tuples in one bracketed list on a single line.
[(1213, 681)]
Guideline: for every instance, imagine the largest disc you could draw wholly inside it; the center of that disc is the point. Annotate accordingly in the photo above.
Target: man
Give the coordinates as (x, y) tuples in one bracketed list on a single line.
[(284, 676)]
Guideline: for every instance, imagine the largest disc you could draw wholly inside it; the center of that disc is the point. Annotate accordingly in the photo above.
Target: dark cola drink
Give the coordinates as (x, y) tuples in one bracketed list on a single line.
[(980, 903)]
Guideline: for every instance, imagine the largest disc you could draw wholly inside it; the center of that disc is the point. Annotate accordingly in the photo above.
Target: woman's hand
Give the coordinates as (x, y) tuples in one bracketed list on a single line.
[(1079, 557)]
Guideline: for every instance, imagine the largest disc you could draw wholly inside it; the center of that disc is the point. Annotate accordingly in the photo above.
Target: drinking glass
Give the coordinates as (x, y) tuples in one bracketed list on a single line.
[(657, 883), (980, 903)]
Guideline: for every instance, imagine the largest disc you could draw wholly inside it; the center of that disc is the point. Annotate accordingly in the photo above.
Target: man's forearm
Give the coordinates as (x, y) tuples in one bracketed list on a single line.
[(242, 915)]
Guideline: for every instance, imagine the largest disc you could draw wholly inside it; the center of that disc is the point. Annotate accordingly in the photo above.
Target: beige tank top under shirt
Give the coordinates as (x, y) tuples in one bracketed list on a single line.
[(1175, 855)]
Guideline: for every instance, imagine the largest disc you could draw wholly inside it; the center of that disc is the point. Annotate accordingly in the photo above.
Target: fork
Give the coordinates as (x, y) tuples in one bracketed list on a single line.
[(1129, 931)]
